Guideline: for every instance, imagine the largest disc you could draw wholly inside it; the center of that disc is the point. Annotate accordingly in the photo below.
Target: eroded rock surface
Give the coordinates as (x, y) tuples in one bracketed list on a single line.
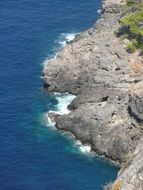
[(131, 177), (108, 109), (136, 102)]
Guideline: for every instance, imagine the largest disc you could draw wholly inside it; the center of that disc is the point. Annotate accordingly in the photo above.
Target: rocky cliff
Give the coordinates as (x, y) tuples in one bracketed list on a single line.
[(107, 81)]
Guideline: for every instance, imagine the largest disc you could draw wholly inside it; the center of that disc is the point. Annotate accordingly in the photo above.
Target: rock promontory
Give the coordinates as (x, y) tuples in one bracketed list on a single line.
[(107, 112)]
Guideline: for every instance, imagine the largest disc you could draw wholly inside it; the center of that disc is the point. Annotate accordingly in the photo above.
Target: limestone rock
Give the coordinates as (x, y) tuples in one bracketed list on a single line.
[(136, 102), (108, 109)]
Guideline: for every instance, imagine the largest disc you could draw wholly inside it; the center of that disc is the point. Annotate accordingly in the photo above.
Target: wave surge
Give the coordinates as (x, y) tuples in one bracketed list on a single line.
[(61, 107)]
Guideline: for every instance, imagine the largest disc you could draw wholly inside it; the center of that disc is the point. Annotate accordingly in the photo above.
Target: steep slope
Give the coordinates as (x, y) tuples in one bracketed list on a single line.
[(107, 81)]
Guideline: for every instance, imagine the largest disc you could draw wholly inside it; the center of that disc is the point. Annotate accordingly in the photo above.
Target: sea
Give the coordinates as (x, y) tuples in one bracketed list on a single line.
[(33, 154)]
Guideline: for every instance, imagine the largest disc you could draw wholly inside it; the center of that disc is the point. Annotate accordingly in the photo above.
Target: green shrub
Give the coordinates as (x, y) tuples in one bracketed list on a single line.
[(130, 2), (131, 47), (132, 25)]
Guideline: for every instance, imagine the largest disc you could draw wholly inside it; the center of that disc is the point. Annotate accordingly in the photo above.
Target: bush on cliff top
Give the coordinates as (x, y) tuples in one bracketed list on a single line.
[(132, 25), (130, 2)]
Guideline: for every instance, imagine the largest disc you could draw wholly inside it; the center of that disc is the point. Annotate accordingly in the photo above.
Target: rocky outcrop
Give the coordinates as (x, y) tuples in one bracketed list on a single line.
[(131, 177), (136, 102), (107, 81)]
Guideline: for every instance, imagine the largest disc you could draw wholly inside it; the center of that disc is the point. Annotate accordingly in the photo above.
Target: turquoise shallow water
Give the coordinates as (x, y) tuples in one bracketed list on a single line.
[(32, 155)]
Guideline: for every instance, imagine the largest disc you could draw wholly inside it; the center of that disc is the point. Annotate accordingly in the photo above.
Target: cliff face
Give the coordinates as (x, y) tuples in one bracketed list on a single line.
[(108, 110), (131, 178)]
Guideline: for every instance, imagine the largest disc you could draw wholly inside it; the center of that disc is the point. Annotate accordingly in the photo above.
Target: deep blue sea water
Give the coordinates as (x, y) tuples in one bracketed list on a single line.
[(32, 155)]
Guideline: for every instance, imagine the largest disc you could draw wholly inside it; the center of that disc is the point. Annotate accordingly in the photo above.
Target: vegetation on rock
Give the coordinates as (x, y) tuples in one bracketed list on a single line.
[(132, 25)]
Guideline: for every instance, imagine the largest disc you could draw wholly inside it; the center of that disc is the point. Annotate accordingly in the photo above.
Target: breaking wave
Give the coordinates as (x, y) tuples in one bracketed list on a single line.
[(59, 44), (61, 107), (63, 100)]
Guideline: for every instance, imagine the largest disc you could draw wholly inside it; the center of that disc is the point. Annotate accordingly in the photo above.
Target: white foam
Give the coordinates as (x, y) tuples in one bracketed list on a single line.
[(83, 148), (99, 11), (57, 93), (49, 120), (65, 37), (70, 36), (61, 108), (61, 42), (66, 99), (63, 99), (63, 102), (78, 143)]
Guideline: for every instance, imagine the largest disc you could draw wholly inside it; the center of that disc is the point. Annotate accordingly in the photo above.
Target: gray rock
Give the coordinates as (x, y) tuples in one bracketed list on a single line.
[(131, 177), (96, 67), (136, 102), (108, 109)]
